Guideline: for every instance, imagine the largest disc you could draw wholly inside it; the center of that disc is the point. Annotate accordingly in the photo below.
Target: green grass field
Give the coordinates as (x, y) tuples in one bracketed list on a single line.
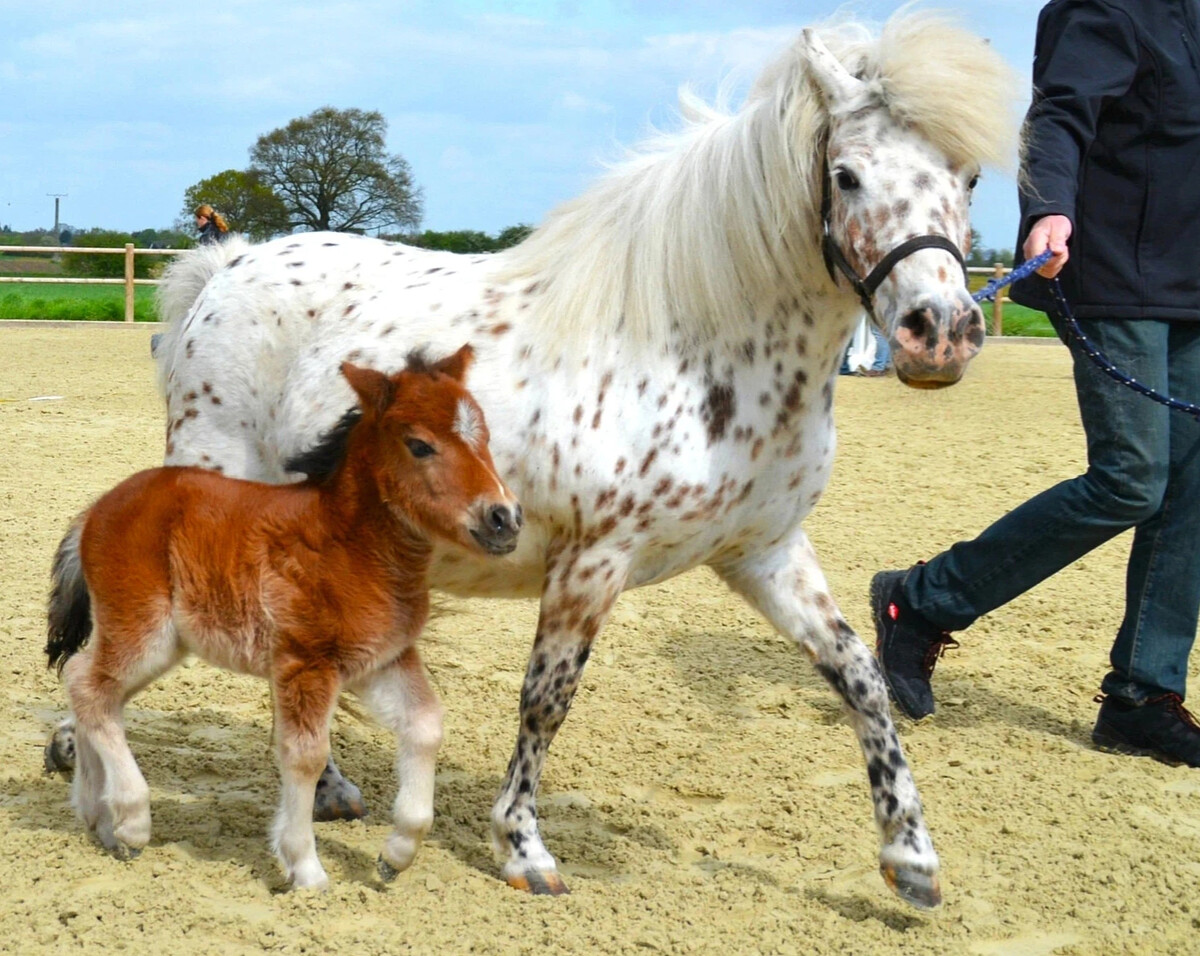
[(74, 302), (1019, 320)]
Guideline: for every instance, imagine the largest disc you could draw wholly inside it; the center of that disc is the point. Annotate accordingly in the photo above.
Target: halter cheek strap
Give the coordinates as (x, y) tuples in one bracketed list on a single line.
[(834, 257)]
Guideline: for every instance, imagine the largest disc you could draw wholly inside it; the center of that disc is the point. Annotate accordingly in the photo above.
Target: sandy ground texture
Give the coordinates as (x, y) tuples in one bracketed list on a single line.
[(705, 795)]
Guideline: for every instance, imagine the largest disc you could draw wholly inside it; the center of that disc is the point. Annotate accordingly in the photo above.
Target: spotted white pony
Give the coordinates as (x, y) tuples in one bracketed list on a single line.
[(657, 363)]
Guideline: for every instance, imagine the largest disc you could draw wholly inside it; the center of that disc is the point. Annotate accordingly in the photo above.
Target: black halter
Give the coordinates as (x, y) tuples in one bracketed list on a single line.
[(866, 287)]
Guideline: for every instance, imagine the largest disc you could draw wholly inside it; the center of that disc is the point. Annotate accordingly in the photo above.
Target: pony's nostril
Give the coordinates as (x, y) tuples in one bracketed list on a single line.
[(921, 324)]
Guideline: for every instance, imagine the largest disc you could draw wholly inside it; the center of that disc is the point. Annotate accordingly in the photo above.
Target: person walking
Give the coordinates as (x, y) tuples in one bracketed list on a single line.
[(210, 224), (1110, 188)]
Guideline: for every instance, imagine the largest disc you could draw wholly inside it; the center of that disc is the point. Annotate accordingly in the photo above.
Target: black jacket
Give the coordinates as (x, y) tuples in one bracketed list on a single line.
[(1114, 145), (210, 232)]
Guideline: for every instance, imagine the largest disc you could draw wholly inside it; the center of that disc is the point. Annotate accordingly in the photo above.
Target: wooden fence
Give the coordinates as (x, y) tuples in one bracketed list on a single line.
[(128, 282), (997, 271)]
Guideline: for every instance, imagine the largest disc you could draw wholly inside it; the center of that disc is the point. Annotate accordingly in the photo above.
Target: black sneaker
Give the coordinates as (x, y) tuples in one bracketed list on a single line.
[(906, 644), (1161, 728)]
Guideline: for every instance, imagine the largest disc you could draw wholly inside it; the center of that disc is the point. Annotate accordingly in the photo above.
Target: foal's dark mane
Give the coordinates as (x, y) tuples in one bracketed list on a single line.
[(320, 462)]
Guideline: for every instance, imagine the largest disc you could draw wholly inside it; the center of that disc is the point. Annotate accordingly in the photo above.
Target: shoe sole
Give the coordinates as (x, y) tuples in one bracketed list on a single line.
[(878, 609), (1111, 745)]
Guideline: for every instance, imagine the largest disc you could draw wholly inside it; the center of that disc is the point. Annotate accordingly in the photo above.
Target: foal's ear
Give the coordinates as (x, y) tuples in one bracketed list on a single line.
[(456, 365), (374, 389)]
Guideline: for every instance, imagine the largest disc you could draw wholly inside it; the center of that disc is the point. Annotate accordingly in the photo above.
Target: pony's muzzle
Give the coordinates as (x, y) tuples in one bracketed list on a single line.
[(933, 343), (498, 529)]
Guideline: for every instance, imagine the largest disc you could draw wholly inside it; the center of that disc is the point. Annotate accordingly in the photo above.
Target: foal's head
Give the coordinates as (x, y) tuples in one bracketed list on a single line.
[(427, 442)]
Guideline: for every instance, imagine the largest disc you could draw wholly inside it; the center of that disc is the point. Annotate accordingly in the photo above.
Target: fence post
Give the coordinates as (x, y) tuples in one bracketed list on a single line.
[(129, 282), (998, 304)]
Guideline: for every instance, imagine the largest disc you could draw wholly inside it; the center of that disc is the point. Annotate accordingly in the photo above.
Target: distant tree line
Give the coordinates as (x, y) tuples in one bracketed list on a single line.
[(981, 256)]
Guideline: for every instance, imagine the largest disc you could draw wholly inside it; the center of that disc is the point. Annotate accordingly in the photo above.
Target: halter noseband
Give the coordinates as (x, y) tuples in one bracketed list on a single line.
[(866, 287)]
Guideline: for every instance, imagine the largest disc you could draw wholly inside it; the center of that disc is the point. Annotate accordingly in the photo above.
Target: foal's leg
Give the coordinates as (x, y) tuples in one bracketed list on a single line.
[(786, 585), (304, 701), (578, 594), (399, 697)]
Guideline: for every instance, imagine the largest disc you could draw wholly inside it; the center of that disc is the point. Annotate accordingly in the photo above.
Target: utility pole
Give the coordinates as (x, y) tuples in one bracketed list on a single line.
[(57, 197)]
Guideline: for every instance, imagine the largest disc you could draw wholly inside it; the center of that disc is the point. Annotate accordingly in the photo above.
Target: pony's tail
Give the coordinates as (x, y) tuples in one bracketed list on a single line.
[(182, 282), (69, 618)]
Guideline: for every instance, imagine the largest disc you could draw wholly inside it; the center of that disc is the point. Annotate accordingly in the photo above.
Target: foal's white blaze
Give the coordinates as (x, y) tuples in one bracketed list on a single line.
[(468, 425)]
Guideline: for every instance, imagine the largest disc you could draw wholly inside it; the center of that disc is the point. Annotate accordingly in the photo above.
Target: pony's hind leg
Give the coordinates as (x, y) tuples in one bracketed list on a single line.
[(399, 697), (59, 753), (786, 585), (304, 701)]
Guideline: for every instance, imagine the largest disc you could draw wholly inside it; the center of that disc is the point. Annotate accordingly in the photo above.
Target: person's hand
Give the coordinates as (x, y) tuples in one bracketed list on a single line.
[(1049, 232)]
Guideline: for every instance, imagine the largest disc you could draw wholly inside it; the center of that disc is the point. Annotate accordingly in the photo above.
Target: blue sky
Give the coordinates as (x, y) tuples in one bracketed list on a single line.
[(503, 109)]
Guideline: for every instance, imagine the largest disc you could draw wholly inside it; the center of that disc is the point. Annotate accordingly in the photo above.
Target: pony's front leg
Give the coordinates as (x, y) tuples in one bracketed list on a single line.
[(578, 593), (786, 585), (304, 702), (399, 697)]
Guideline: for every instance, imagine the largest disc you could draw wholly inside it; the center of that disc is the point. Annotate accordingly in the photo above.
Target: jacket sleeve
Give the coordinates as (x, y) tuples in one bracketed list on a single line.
[(1086, 55)]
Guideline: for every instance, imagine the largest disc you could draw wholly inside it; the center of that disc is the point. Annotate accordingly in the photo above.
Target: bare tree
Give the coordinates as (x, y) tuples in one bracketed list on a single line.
[(332, 171)]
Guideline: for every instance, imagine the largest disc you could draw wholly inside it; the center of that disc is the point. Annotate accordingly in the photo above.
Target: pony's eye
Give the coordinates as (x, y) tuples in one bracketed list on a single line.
[(846, 180), (418, 448), (974, 181)]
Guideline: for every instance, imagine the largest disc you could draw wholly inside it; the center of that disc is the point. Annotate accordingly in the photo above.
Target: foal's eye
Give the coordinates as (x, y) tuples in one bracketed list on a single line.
[(846, 180), (974, 181), (418, 448)]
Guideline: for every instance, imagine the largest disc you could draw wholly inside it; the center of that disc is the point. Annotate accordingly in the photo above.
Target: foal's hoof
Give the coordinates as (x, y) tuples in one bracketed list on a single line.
[(539, 882), (59, 755), (338, 800), (915, 888)]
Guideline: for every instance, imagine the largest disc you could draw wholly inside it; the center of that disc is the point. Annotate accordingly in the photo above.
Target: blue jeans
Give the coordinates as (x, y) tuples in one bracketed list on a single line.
[(883, 354), (1143, 473), (883, 351)]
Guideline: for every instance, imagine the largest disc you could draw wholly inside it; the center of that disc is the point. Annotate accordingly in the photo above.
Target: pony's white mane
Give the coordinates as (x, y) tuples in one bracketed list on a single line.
[(701, 227)]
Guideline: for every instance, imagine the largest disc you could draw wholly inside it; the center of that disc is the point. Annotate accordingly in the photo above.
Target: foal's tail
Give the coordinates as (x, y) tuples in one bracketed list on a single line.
[(69, 618)]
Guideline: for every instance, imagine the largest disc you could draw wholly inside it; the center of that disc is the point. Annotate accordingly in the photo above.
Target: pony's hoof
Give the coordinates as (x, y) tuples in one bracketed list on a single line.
[(338, 800), (124, 852), (539, 882), (914, 887), (59, 755), (387, 872)]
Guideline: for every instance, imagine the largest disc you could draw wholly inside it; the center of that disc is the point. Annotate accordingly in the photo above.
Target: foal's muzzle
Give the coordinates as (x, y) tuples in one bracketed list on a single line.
[(498, 529)]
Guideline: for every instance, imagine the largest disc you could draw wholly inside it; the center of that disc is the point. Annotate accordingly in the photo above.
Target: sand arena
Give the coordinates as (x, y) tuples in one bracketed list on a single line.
[(704, 796)]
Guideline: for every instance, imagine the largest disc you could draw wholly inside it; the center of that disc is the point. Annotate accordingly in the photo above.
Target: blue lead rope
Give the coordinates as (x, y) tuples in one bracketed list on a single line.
[(1093, 352), (1020, 272)]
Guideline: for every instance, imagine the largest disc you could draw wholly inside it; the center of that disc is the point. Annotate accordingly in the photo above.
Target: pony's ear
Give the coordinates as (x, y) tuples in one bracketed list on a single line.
[(842, 91), (374, 389), (456, 365)]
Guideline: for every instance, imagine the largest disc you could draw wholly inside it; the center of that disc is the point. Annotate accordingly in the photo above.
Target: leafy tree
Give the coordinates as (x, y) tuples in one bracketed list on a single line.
[(457, 240), (464, 240), (248, 204), (332, 170), (513, 235)]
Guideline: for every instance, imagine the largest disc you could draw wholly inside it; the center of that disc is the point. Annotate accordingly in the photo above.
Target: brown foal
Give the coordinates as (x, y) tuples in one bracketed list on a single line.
[(318, 586)]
